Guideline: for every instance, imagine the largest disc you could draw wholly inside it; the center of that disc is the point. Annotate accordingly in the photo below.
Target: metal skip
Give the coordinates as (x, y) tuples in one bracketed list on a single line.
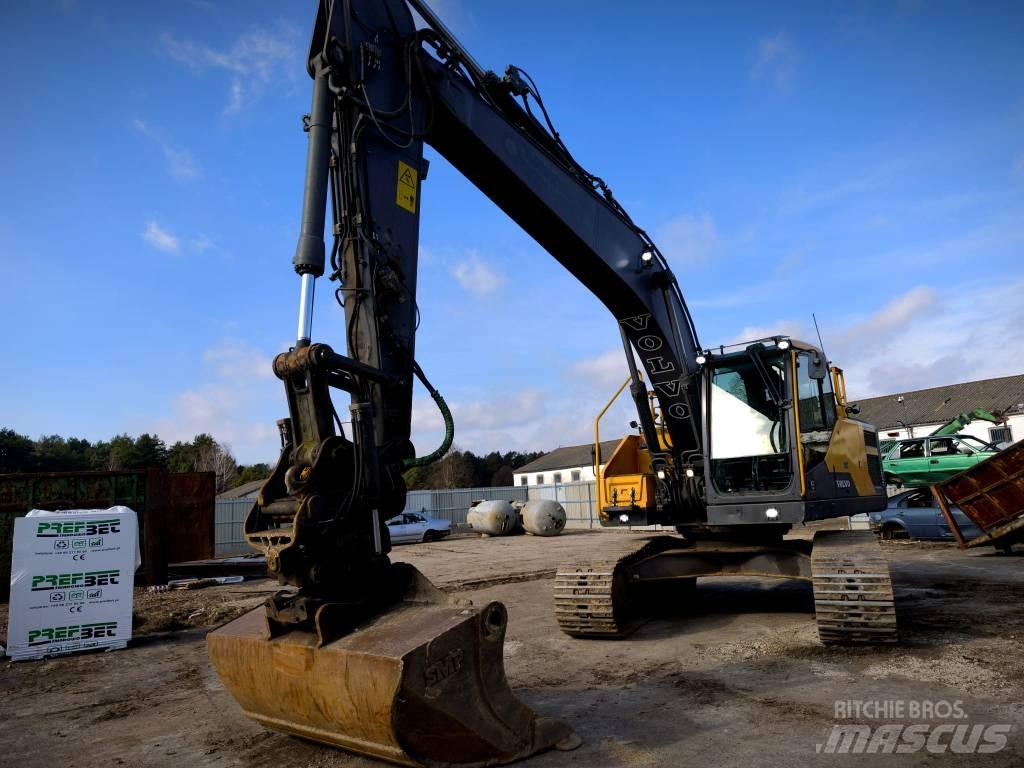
[(421, 684)]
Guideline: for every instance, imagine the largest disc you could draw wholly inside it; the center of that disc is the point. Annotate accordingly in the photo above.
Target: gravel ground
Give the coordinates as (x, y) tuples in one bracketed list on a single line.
[(737, 679)]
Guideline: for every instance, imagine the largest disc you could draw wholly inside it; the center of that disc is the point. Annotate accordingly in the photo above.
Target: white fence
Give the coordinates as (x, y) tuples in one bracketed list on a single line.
[(579, 500)]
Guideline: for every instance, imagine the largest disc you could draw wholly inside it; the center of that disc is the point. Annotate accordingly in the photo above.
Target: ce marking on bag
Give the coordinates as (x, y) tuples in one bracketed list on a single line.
[(75, 609), (78, 556)]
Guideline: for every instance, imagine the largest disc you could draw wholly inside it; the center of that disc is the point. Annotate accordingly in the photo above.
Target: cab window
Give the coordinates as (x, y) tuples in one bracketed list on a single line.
[(817, 401), (912, 449)]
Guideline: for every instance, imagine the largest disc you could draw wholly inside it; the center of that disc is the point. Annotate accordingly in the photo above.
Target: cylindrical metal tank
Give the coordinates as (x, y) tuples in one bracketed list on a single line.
[(543, 517), (492, 518)]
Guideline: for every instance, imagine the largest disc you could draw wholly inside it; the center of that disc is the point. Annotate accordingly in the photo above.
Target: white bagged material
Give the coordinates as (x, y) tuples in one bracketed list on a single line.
[(72, 574)]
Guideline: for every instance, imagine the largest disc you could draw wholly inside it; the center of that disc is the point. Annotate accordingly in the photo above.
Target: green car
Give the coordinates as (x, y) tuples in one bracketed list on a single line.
[(919, 461)]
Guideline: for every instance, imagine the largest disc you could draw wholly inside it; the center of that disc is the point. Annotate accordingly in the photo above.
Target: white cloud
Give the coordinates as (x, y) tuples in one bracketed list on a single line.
[(201, 244), (608, 369), (897, 315), (236, 387), (235, 360), (255, 59), (180, 163), (531, 419), (476, 276), (689, 239), (508, 421), (921, 338), (236, 98), (775, 60), (160, 238)]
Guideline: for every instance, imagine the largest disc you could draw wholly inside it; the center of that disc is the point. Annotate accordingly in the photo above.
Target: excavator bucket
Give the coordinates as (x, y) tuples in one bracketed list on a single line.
[(421, 684)]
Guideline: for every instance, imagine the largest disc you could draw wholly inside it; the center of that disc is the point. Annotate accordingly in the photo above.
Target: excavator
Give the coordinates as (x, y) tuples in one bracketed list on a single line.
[(736, 445)]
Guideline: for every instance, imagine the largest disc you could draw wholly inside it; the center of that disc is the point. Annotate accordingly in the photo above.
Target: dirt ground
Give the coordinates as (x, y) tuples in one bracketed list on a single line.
[(739, 680)]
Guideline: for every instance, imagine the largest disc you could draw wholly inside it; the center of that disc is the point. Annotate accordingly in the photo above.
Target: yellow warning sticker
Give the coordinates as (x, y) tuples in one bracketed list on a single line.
[(407, 176)]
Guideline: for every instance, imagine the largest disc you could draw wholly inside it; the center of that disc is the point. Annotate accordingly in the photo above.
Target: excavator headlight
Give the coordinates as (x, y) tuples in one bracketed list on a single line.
[(661, 474), (646, 259), (701, 359), (689, 472), (782, 344), (623, 518), (771, 513)]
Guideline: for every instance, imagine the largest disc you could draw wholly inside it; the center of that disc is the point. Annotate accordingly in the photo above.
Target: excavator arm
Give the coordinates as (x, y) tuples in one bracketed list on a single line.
[(381, 89)]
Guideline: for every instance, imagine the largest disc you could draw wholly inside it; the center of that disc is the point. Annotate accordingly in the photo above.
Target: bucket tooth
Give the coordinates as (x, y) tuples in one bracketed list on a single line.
[(422, 683)]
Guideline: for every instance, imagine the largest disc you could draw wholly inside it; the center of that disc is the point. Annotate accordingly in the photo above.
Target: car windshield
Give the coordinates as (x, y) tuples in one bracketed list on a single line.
[(975, 443)]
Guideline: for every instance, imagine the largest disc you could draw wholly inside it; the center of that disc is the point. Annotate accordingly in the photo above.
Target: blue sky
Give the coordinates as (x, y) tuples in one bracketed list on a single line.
[(860, 160)]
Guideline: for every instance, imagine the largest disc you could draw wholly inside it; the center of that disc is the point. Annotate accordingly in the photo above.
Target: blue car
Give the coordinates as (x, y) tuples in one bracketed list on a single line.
[(915, 515)]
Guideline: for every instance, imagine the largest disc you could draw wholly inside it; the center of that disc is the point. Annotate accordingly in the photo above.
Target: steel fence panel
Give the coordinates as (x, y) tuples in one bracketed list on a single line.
[(577, 499), (449, 504), (228, 536)]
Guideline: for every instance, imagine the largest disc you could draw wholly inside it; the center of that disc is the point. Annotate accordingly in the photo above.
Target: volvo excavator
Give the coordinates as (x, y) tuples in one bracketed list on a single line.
[(740, 445)]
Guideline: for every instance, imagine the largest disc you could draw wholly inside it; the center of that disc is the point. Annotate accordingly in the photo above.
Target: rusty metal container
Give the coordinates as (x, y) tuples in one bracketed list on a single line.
[(991, 494), (176, 511)]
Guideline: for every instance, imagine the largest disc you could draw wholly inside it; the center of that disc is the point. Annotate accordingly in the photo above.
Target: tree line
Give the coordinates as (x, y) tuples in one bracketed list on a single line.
[(53, 453), (464, 469)]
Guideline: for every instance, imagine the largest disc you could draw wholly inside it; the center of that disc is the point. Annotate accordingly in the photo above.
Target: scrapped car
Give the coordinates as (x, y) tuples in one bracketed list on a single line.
[(915, 515), (920, 461), (414, 527)]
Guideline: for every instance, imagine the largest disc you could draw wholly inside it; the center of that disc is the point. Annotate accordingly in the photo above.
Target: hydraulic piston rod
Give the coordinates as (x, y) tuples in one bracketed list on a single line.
[(307, 288)]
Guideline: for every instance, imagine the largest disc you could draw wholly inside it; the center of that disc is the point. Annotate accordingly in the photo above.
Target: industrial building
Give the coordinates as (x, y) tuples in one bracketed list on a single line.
[(569, 464), (917, 413)]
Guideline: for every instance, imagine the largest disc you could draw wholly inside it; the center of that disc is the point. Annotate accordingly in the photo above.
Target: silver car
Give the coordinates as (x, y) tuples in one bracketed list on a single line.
[(915, 515), (414, 527)]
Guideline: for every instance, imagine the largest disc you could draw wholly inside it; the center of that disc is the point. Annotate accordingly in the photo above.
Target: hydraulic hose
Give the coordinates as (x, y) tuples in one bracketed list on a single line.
[(449, 424)]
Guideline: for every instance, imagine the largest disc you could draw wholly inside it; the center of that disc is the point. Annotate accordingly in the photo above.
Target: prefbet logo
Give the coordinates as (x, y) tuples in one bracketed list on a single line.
[(49, 635), (57, 528), (51, 581)]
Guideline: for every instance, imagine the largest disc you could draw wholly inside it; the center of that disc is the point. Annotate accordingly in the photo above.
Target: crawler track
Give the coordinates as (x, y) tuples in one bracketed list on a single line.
[(592, 596), (853, 596)]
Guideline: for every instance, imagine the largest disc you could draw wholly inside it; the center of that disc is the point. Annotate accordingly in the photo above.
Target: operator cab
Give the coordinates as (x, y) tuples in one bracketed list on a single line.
[(782, 445)]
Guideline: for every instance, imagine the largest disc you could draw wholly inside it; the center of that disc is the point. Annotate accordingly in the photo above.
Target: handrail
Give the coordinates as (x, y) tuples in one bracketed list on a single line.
[(597, 441)]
